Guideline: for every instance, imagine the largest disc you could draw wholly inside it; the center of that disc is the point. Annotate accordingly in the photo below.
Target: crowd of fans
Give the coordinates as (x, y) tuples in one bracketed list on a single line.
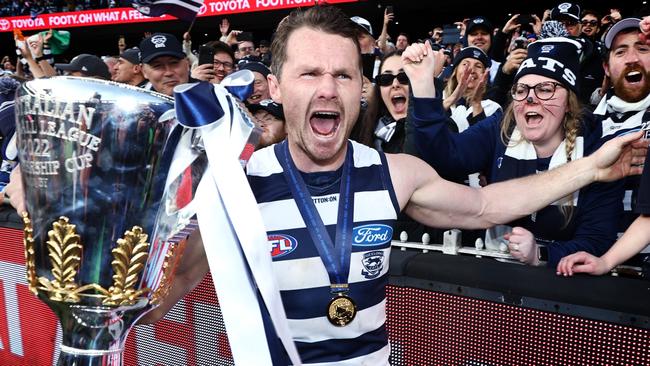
[(586, 83)]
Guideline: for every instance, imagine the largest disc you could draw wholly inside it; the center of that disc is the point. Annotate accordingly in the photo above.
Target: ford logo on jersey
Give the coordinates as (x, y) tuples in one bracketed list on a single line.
[(281, 245), (371, 234)]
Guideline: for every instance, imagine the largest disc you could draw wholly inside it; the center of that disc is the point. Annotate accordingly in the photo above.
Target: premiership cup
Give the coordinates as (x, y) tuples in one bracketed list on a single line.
[(94, 164)]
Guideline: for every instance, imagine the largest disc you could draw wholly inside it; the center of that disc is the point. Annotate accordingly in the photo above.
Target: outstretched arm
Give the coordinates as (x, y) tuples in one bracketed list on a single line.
[(636, 237), (433, 201)]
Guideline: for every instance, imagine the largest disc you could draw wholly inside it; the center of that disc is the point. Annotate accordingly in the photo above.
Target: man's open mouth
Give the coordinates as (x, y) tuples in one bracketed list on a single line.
[(325, 123), (633, 76)]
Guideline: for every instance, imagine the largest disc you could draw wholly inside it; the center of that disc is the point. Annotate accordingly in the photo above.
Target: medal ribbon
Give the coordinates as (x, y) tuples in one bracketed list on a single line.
[(335, 256)]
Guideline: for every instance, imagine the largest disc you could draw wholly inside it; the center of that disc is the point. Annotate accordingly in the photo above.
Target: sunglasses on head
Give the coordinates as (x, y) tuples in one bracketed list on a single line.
[(387, 79), (592, 23)]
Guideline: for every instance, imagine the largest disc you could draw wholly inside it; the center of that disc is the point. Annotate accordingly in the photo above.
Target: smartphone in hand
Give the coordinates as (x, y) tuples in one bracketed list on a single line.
[(206, 55)]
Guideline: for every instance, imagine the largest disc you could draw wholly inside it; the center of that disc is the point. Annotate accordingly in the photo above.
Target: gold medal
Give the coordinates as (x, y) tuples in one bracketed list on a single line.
[(341, 310)]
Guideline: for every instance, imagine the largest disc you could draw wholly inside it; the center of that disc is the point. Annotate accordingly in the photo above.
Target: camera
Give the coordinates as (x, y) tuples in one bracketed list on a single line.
[(437, 46), (520, 43)]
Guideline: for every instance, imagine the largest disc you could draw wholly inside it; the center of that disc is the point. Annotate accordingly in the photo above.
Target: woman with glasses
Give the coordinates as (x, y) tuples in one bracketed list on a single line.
[(542, 128), (464, 94)]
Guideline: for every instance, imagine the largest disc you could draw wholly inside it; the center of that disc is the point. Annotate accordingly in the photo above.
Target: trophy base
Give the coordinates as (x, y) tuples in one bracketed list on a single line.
[(77, 357), (95, 335)]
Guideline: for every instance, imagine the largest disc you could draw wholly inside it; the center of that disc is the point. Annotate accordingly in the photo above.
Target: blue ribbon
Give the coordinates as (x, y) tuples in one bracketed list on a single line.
[(240, 84), (197, 105), (335, 256)]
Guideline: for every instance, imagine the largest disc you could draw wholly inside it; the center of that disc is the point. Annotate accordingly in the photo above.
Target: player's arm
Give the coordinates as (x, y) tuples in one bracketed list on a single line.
[(433, 201), (190, 272)]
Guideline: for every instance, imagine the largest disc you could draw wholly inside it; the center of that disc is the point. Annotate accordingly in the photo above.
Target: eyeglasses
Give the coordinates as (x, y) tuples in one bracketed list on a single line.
[(226, 65), (592, 23), (543, 91), (387, 79), (244, 49)]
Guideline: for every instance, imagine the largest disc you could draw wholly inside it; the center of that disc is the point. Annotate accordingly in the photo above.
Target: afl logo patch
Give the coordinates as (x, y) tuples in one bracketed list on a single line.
[(281, 245)]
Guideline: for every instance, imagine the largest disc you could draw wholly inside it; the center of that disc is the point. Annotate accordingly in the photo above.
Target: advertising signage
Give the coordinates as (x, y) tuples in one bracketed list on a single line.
[(112, 16)]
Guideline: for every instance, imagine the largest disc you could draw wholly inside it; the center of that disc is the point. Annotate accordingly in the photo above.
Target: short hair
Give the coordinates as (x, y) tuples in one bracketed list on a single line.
[(589, 12), (221, 47), (327, 19)]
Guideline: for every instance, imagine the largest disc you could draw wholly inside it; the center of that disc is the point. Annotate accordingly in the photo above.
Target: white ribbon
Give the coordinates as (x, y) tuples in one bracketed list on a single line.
[(234, 238)]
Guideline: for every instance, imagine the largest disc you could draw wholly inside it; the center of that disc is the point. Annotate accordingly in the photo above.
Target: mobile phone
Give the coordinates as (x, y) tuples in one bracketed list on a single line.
[(525, 19), (450, 34), (245, 36), (389, 9), (206, 55)]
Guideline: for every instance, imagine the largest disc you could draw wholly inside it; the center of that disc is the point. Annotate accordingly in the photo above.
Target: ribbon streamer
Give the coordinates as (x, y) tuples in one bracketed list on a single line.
[(233, 232)]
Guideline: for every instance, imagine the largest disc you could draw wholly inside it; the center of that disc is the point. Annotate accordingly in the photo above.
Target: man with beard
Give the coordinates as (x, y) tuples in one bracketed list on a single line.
[(625, 107)]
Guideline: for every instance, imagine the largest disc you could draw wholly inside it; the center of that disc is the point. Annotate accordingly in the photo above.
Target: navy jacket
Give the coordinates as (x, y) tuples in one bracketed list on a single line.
[(593, 225)]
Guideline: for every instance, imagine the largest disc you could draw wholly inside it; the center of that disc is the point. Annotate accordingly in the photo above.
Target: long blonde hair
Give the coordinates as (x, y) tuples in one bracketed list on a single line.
[(571, 126)]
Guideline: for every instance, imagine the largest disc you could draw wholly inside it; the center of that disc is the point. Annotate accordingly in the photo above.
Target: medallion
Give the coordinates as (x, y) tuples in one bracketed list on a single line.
[(341, 310)]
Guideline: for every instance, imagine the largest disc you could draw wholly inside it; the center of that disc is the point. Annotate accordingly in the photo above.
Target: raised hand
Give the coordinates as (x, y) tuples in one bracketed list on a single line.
[(388, 17), (459, 91), (514, 60), (224, 26), (645, 30), (511, 25), (203, 72), (419, 65), (232, 37)]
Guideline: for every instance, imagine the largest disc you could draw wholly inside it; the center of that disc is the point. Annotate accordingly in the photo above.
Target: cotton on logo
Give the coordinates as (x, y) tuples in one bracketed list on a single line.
[(4, 25)]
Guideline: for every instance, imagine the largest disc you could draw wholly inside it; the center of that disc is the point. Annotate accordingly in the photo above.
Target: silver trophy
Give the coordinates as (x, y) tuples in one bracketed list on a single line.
[(94, 163)]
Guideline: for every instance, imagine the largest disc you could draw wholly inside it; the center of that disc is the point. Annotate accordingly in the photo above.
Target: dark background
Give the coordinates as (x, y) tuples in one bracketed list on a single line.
[(416, 18)]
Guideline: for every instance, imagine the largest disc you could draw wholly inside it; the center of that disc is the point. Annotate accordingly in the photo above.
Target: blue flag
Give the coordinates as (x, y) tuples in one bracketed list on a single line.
[(182, 9)]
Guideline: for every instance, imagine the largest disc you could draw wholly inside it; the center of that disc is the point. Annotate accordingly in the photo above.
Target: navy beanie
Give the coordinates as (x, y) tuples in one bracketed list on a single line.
[(556, 58), (472, 52)]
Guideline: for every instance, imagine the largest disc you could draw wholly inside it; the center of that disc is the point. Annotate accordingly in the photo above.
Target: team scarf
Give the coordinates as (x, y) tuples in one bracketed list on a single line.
[(621, 117), (520, 159)]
